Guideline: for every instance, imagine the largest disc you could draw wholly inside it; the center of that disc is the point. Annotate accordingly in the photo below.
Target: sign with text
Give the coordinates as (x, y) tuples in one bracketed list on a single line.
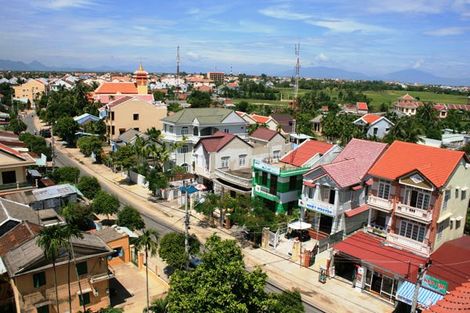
[(433, 283), (319, 208)]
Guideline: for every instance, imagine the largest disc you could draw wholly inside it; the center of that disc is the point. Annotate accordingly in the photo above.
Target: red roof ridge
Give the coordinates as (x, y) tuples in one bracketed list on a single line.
[(11, 151)]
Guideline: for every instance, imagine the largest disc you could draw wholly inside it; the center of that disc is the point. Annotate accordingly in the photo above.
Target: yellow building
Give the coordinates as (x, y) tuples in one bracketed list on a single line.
[(30, 90), (32, 277), (131, 112), (141, 79)]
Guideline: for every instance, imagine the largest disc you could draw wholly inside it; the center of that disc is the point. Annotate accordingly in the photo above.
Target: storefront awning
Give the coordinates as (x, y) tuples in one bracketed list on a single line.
[(356, 211), (372, 252), (426, 297)]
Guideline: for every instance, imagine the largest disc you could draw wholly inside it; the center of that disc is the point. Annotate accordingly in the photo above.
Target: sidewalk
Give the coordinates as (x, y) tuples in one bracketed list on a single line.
[(334, 296)]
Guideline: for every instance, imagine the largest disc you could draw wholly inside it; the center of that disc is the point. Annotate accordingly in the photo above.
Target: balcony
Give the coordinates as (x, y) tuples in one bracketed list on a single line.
[(409, 244), (265, 192), (15, 186), (380, 203), (240, 177), (420, 215), (102, 276), (377, 230), (202, 171)]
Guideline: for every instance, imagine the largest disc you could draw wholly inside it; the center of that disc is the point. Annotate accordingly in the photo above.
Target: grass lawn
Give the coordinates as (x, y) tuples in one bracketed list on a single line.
[(390, 96), (260, 101)]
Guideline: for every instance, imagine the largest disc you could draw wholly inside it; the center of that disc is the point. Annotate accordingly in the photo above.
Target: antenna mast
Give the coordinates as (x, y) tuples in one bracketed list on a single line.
[(177, 62)]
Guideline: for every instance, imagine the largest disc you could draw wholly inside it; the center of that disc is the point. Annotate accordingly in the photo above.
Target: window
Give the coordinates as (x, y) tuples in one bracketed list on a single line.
[(224, 163), (276, 154), (112, 116), (242, 160), (170, 130), (82, 268), (292, 183), (412, 230), (135, 116), (441, 227), (84, 298), (9, 177), (264, 178), (463, 195), (226, 131), (122, 131), (417, 198), (112, 130), (375, 130), (39, 279), (43, 309), (137, 128), (446, 199), (184, 130), (456, 193), (184, 149), (384, 190)]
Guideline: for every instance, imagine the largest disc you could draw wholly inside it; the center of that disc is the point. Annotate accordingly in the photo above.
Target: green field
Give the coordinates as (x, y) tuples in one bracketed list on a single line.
[(377, 97)]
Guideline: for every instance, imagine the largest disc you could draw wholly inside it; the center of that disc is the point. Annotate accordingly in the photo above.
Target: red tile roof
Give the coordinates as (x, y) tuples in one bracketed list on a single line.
[(116, 88), (11, 151), (357, 210), (216, 142), (451, 262), (401, 158), (305, 151), (260, 118), (17, 235), (371, 249), (119, 101), (362, 106), (407, 97), (352, 164), (263, 133), (457, 301), (371, 118)]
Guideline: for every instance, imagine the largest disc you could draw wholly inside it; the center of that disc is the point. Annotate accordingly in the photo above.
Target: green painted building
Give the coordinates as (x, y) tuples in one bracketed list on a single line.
[(279, 182)]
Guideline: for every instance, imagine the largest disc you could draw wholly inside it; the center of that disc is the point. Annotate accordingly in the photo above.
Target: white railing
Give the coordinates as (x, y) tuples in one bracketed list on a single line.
[(380, 203), (235, 179), (414, 213), (409, 244), (102, 276), (377, 230)]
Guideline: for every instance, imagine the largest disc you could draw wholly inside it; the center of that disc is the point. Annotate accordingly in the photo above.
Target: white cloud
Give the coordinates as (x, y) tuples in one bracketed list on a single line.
[(418, 63), (447, 31), (283, 12), (407, 6), (346, 26), (63, 4), (321, 57)]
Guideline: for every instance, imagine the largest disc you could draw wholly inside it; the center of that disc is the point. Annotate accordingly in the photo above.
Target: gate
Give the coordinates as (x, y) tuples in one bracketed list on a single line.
[(325, 243)]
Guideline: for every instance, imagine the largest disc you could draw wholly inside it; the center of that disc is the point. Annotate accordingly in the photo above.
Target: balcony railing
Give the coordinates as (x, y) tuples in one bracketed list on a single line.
[(234, 179), (410, 244), (318, 206), (15, 186), (380, 203), (102, 276), (377, 230), (414, 213)]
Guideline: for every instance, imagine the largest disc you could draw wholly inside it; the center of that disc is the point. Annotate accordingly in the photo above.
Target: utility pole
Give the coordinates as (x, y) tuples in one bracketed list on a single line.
[(421, 272), (186, 222)]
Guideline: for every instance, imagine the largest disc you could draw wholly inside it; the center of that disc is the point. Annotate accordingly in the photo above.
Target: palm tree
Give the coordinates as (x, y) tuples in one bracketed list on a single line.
[(70, 231), (154, 134), (149, 242), (52, 241)]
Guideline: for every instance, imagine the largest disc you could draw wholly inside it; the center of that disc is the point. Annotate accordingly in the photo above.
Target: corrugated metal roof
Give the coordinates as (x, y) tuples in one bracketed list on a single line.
[(55, 192), (426, 297)]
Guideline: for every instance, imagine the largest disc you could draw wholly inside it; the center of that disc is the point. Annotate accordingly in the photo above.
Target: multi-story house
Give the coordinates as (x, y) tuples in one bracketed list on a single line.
[(334, 193), (419, 196), (407, 105), (186, 127), (13, 167), (32, 276), (129, 112), (375, 126), (253, 119), (31, 90), (278, 182), (225, 160)]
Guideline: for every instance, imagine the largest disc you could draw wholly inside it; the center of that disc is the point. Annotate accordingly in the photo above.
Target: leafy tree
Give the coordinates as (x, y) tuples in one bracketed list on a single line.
[(158, 306), (199, 99), (17, 126), (208, 207), (130, 218), (157, 180), (78, 214), (149, 242), (244, 106), (89, 186), (89, 145), (288, 302), (97, 128), (104, 203), (154, 134), (124, 157), (36, 144), (66, 174), (159, 95), (405, 129), (172, 250), (220, 283), (65, 128)]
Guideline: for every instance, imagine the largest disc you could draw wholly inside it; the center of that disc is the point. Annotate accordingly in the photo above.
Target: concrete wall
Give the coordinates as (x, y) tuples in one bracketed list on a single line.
[(382, 129), (120, 243)]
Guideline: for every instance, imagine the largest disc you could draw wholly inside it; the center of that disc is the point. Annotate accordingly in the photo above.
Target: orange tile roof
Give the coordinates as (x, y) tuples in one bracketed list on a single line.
[(11, 151), (116, 88), (17, 235), (371, 118), (457, 300), (305, 151), (362, 106), (260, 118), (401, 158)]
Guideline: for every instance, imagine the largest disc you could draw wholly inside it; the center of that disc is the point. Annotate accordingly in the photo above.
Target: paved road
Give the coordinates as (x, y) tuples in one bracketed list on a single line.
[(151, 222)]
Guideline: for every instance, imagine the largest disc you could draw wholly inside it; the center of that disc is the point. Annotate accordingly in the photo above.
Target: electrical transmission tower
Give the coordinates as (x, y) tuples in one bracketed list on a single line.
[(177, 62), (297, 72)]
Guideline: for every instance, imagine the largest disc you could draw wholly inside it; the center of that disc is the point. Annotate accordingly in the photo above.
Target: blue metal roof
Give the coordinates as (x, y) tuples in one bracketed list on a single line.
[(426, 297)]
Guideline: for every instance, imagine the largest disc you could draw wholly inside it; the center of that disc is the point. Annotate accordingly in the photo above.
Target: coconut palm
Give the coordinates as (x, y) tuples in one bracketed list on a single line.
[(149, 242), (52, 240), (69, 232)]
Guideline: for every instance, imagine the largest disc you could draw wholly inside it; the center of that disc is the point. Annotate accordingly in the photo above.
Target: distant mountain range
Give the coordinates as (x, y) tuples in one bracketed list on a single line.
[(405, 76)]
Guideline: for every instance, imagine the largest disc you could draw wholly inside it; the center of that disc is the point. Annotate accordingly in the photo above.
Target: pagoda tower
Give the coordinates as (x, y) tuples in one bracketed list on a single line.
[(141, 78)]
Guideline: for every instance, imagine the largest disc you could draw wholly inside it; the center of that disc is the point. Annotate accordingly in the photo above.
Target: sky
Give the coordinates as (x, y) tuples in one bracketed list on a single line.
[(367, 36)]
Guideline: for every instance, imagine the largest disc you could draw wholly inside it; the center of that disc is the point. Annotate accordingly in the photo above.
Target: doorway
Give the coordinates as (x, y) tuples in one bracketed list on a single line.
[(326, 222)]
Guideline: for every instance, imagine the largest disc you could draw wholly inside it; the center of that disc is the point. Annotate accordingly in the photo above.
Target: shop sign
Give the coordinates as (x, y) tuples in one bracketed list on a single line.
[(435, 284), (260, 165), (319, 208)]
